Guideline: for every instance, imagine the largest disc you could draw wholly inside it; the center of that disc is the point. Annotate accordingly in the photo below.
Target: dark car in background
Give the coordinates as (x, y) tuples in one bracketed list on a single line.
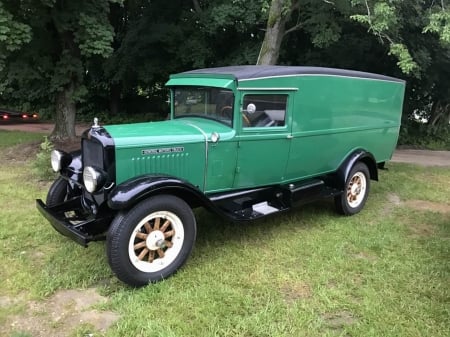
[(11, 115)]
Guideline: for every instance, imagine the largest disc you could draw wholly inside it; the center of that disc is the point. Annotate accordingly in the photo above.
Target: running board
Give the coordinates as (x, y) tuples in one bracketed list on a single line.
[(257, 203)]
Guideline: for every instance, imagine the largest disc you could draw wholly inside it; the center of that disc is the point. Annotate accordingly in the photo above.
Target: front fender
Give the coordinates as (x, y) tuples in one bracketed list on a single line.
[(74, 172), (136, 189)]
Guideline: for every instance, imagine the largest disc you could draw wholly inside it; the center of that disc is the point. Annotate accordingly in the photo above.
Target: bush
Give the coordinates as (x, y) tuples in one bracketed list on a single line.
[(425, 136), (41, 165)]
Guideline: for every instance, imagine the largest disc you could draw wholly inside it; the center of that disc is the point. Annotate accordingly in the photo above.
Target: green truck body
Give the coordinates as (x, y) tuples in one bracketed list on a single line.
[(244, 142)]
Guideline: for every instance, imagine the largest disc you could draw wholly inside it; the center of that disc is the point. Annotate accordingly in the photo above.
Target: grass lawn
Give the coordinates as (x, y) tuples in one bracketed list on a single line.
[(308, 272), (10, 138)]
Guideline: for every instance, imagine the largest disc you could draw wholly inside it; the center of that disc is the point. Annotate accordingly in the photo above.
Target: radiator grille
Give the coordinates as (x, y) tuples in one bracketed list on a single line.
[(92, 154)]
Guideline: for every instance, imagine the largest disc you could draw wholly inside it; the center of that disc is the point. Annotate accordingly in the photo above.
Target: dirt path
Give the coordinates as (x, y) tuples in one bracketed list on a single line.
[(419, 157), (45, 128), (422, 157)]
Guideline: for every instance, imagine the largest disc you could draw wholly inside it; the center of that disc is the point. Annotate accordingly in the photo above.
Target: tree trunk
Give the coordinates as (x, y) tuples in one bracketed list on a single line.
[(276, 27), (65, 114)]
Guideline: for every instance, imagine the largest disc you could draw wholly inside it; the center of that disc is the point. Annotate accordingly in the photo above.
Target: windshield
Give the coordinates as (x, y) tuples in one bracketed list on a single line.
[(207, 102)]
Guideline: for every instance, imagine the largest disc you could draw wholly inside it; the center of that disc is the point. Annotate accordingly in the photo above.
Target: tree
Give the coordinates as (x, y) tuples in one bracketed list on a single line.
[(418, 35), (279, 14), (157, 38), (114, 56), (58, 39), (319, 19)]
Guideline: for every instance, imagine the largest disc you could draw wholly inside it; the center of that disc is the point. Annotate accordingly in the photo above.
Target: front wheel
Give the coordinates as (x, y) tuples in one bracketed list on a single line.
[(356, 191), (151, 241), (58, 192)]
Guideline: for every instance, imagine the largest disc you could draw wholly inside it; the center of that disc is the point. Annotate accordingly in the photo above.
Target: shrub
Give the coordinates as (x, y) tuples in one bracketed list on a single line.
[(41, 165)]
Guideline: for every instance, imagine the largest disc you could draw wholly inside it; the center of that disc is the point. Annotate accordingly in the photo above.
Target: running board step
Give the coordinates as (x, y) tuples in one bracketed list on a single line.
[(260, 202), (264, 208)]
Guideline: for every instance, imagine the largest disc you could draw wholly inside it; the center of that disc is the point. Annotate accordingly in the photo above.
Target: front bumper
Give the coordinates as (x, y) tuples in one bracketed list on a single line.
[(80, 230)]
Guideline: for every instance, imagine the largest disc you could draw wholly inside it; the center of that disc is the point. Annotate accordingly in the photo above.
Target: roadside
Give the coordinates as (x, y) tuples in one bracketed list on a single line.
[(39, 127), (419, 157), (422, 157)]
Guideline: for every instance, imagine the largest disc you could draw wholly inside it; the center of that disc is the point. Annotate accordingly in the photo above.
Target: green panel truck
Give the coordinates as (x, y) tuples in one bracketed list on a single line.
[(243, 142)]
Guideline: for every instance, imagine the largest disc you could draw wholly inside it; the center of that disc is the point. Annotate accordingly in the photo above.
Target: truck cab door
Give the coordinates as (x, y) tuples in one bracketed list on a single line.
[(263, 142)]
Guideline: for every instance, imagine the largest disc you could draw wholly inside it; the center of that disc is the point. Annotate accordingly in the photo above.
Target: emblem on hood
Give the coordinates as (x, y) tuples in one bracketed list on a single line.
[(163, 150)]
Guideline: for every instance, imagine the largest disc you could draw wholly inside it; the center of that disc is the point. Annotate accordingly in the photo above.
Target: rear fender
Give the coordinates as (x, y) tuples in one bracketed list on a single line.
[(136, 189), (367, 158)]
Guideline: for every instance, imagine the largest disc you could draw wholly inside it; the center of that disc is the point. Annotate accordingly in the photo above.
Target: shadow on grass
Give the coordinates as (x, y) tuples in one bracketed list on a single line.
[(218, 231)]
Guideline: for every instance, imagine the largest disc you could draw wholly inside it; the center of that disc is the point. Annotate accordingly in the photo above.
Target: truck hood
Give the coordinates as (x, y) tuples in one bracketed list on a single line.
[(178, 131)]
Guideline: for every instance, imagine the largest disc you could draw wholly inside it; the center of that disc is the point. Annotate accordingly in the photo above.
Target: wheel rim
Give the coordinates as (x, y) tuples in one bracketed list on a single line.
[(156, 241), (356, 189)]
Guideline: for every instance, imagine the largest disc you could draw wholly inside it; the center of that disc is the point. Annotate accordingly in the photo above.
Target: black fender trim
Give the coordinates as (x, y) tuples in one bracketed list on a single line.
[(359, 155), (130, 192), (74, 172)]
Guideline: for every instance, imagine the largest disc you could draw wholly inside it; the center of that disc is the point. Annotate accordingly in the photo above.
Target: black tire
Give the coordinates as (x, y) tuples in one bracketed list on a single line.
[(57, 193), (151, 241), (356, 191)]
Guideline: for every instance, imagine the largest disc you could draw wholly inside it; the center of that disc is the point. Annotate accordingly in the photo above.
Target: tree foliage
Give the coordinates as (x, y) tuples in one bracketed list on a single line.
[(48, 53), (112, 57)]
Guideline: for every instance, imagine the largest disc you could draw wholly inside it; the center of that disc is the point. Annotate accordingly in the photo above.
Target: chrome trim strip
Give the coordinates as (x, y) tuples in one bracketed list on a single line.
[(317, 75), (269, 89), (206, 152)]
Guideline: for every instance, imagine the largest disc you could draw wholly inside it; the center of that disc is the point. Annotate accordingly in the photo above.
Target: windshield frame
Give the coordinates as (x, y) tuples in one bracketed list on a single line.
[(213, 103)]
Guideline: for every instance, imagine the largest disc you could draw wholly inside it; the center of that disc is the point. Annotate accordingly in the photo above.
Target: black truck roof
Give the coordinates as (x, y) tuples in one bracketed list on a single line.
[(259, 71)]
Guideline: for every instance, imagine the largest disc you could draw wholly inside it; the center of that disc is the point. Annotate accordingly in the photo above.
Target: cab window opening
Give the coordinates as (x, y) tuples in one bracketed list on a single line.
[(264, 110), (207, 102)]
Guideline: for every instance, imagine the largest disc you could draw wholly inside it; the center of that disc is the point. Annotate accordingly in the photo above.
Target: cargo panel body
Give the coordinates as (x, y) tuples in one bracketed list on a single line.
[(332, 115)]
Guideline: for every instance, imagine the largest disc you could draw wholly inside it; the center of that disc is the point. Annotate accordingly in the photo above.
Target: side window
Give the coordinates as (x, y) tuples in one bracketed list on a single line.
[(264, 110)]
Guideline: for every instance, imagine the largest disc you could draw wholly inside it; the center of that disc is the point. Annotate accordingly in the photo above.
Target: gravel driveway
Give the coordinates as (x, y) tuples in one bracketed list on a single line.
[(422, 157), (419, 157)]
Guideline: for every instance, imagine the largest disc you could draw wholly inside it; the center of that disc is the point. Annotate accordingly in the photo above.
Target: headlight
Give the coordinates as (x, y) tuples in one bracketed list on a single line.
[(60, 160), (93, 179)]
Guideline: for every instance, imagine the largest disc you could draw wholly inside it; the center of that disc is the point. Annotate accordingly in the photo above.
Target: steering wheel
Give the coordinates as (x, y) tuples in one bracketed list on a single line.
[(227, 111), (245, 120)]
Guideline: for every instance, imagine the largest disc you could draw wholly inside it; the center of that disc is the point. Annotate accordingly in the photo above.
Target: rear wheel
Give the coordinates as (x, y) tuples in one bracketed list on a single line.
[(356, 191), (151, 241)]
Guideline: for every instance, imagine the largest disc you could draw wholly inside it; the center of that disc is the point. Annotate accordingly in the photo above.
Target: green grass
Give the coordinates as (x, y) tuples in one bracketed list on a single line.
[(10, 138), (309, 272)]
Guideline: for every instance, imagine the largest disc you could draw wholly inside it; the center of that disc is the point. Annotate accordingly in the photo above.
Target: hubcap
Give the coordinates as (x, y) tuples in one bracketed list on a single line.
[(356, 189), (156, 241)]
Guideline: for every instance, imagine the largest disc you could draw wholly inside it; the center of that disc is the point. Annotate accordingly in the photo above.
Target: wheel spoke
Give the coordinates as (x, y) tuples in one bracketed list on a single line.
[(169, 234), (151, 256), (143, 253), (164, 226), (168, 244), (141, 235), (139, 245), (160, 252), (148, 228), (156, 225)]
